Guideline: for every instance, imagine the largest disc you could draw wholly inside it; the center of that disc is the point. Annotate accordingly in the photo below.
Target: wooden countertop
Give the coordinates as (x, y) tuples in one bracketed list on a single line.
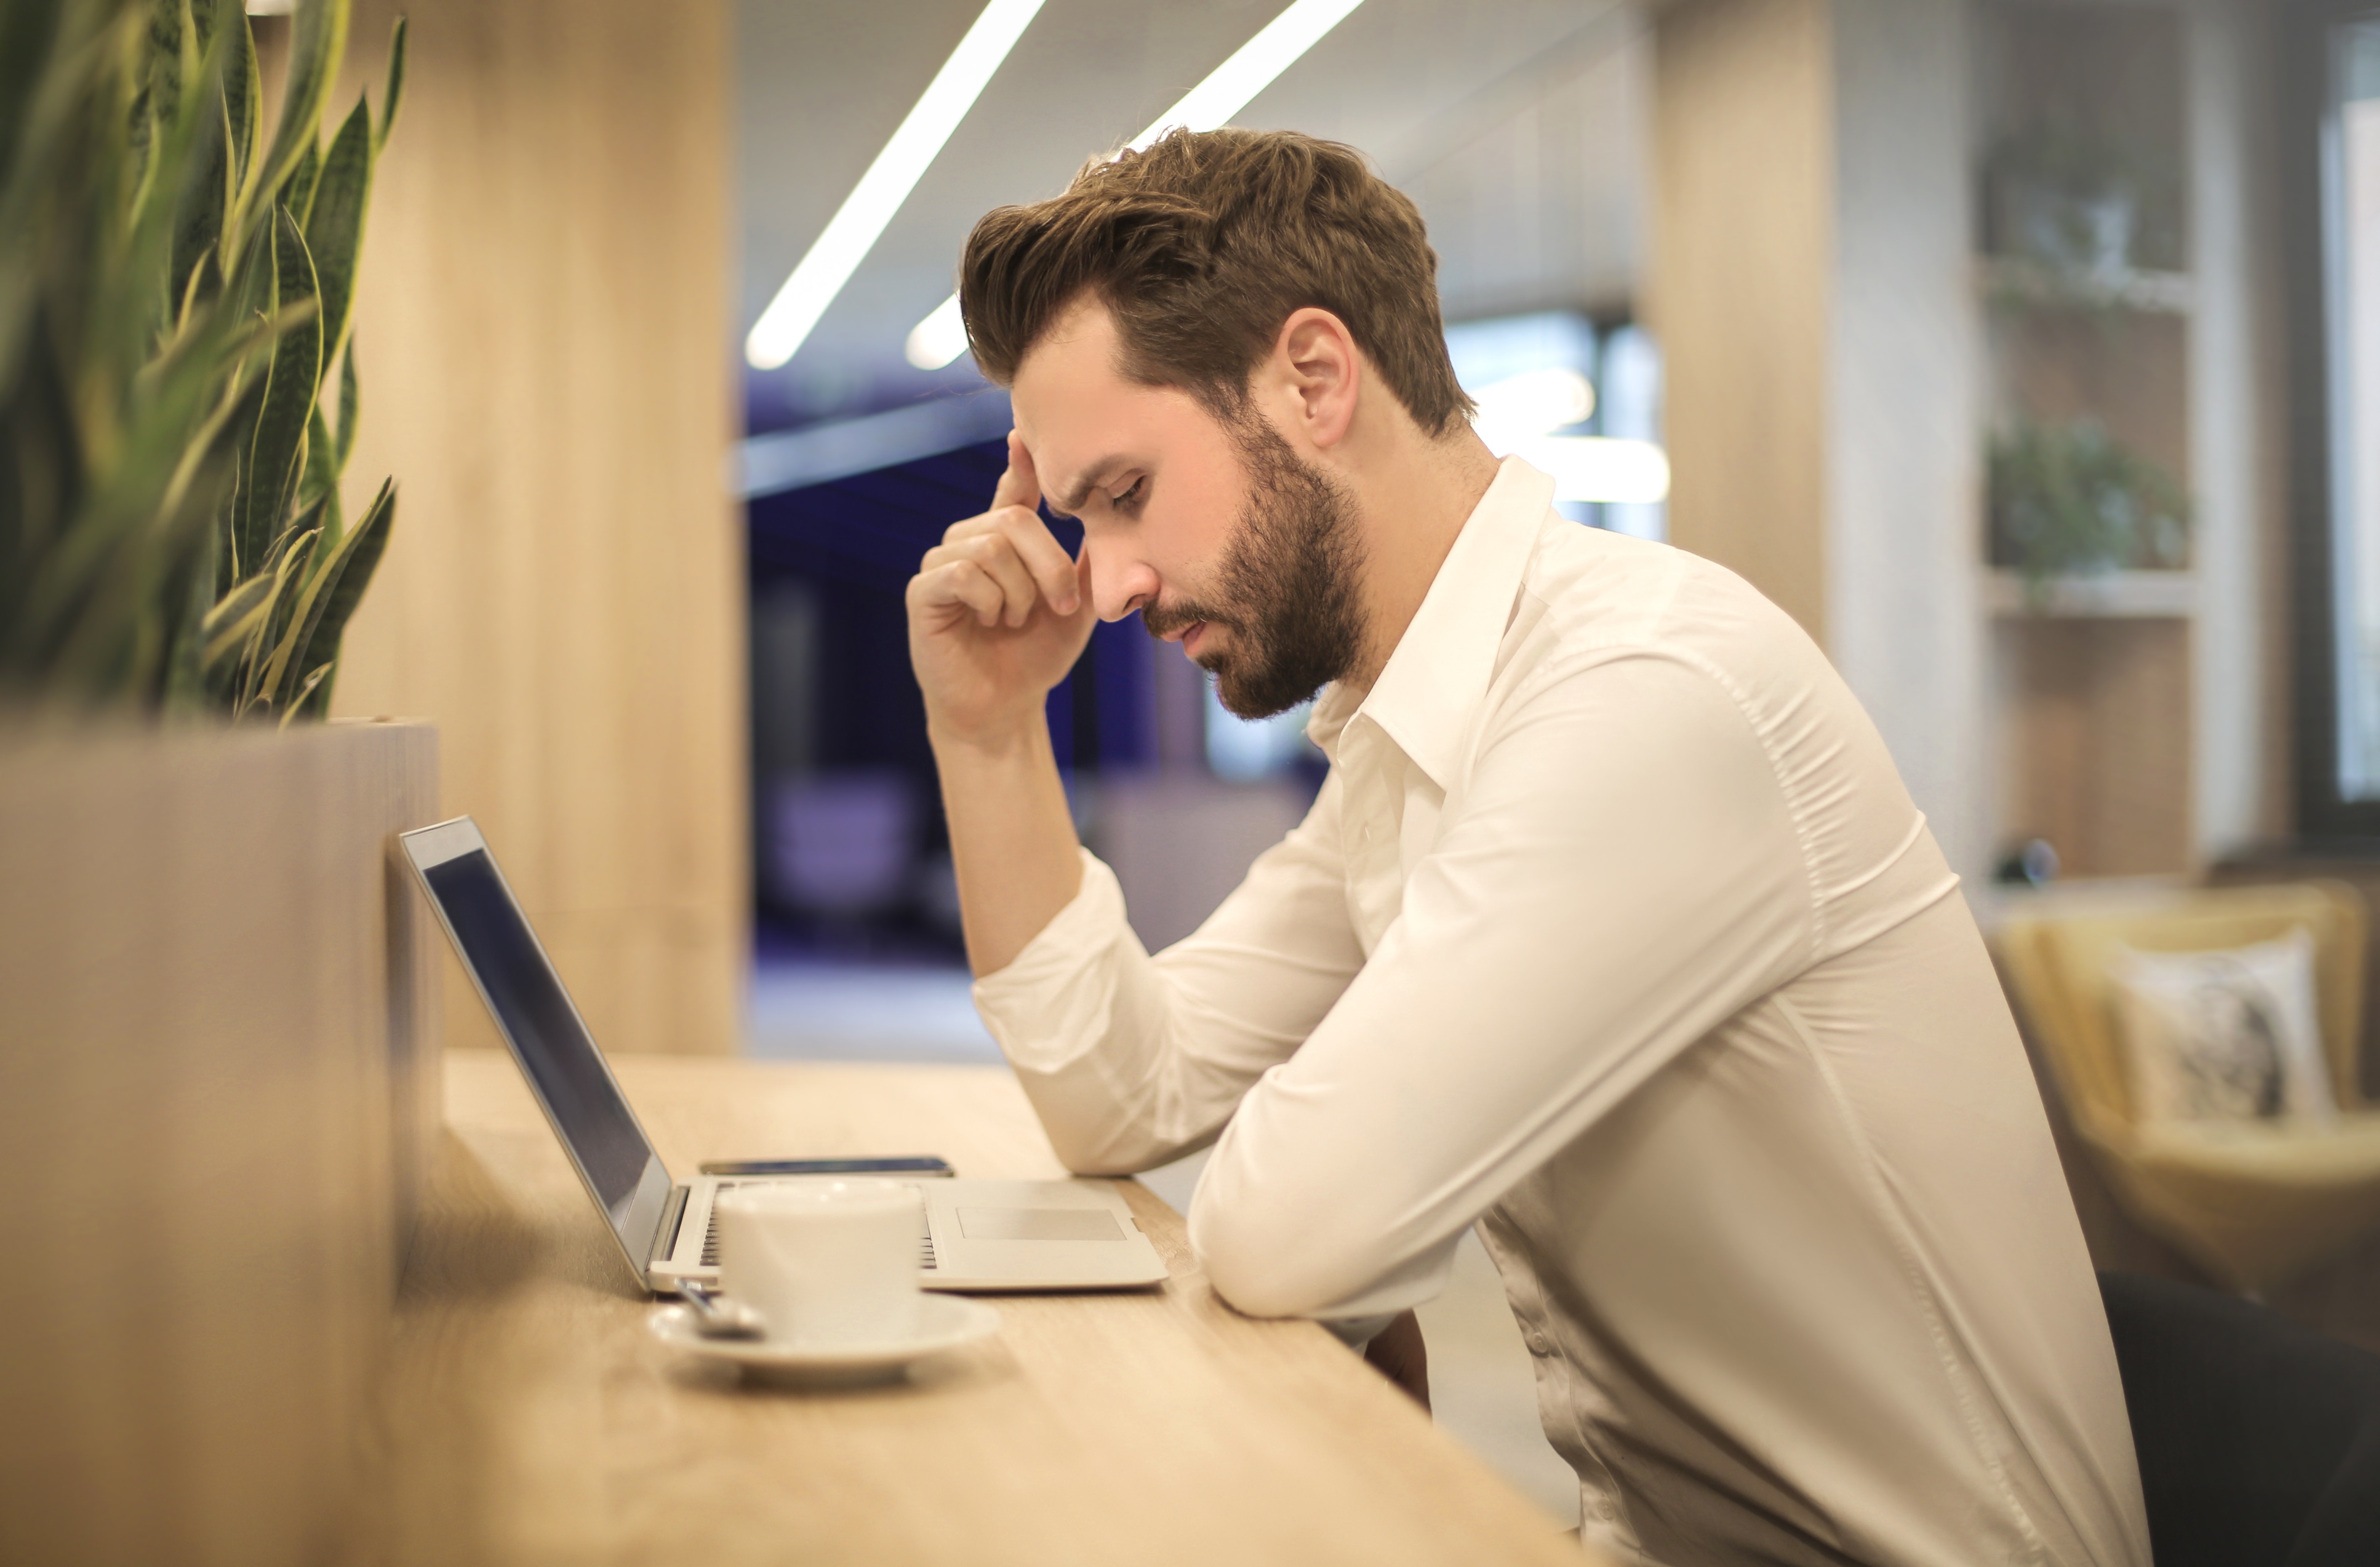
[(529, 1418)]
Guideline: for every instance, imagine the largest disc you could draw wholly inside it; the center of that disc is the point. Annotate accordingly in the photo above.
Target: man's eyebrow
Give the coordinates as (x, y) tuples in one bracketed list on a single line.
[(1071, 502)]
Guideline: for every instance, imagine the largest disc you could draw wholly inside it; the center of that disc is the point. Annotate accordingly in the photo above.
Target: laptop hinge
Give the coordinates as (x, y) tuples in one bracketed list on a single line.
[(665, 1237)]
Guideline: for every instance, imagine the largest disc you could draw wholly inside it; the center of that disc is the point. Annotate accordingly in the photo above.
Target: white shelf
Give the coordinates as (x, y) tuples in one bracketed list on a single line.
[(2116, 595), (2013, 278)]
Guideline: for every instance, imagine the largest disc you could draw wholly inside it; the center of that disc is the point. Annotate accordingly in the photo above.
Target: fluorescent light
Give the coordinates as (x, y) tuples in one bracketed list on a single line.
[(1228, 89), (857, 223), (1229, 86), (1596, 467), (940, 338)]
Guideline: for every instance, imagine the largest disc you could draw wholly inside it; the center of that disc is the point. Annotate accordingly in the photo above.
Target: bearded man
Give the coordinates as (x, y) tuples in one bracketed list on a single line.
[(1612, 930)]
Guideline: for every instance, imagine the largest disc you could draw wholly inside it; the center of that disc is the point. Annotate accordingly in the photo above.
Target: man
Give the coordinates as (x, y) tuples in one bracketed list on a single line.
[(1612, 930)]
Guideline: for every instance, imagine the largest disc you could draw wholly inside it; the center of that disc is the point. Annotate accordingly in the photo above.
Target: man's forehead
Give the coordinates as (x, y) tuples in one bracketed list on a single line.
[(1079, 417)]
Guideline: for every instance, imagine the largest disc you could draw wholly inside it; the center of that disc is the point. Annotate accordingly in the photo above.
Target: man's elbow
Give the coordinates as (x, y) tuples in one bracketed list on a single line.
[(1264, 1272), (1089, 1151), (1103, 1158)]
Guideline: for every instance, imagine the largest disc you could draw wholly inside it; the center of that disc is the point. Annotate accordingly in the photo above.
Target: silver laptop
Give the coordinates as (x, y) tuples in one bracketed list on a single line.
[(979, 1235)]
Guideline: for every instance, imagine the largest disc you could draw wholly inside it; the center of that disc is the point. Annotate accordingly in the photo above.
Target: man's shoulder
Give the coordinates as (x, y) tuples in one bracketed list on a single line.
[(1588, 593)]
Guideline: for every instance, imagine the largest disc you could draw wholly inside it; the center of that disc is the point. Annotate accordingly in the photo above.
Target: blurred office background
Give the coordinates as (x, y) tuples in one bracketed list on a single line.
[(2023, 350)]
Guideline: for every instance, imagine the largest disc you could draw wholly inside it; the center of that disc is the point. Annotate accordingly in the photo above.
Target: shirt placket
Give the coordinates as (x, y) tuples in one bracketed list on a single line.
[(1369, 828)]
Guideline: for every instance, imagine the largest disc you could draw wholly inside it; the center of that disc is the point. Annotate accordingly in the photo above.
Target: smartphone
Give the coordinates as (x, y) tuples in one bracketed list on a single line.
[(917, 1165)]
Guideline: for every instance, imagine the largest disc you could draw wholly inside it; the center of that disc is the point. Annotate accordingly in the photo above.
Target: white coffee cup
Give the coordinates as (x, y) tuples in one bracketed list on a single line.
[(823, 1262)]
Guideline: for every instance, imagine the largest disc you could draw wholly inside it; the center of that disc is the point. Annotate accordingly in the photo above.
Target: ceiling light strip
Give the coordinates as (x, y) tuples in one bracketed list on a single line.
[(864, 214), (1229, 88)]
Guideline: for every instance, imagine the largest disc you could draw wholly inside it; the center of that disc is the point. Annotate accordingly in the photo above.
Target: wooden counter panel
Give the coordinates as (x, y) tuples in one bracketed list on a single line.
[(529, 1418)]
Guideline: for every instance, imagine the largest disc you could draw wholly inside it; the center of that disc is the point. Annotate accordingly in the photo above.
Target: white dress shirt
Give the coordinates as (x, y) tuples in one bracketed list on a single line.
[(1614, 931)]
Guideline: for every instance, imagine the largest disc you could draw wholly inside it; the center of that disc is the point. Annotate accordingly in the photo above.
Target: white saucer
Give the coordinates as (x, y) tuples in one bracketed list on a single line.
[(944, 1322)]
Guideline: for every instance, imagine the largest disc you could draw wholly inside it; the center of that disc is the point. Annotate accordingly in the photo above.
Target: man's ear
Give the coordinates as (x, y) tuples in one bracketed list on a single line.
[(1319, 374)]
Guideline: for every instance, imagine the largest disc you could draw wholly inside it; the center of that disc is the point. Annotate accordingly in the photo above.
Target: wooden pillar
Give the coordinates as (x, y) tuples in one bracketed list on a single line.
[(1742, 194), (544, 349), (1811, 288)]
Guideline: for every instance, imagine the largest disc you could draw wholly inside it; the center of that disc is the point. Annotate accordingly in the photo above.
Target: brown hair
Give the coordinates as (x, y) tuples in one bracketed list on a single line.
[(1201, 247)]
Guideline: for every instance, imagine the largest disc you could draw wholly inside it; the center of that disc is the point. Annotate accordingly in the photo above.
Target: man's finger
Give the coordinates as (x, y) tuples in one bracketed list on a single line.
[(1020, 486), (1052, 569), (959, 583), (1000, 562)]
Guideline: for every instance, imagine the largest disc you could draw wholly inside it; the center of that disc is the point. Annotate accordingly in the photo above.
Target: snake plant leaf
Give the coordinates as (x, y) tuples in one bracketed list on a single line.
[(288, 569), (350, 407), (207, 16), (276, 450), (175, 180), (27, 46), (319, 488), (298, 191), (342, 584), (173, 51), (52, 61), (305, 693), (334, 229), (185, 685), (300, 546), (318, 40), (163, 349), (198, 268), (34, 50), (156, 93), (140, 509), (394, 92), (243, 114), (296, 614), (226, 626)]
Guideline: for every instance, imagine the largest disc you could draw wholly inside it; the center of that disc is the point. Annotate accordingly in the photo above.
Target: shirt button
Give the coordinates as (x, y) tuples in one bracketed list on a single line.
[(1538, 1344), (1606, 1510)]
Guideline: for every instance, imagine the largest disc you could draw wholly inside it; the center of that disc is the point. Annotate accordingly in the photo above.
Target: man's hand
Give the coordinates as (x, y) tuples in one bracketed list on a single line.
[(1397, 1353), (998, 614)]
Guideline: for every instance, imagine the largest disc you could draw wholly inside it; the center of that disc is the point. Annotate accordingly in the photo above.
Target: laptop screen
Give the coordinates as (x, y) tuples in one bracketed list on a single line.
[(546, 1033)]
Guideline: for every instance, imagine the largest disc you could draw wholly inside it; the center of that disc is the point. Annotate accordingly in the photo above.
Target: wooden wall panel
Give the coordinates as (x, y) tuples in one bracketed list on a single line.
[(218, 1095), (1740, 285), (546, 365), (2095, 741)]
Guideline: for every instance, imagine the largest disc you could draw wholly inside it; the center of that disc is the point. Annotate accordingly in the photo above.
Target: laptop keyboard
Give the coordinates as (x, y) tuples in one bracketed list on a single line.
[(710, 1234)]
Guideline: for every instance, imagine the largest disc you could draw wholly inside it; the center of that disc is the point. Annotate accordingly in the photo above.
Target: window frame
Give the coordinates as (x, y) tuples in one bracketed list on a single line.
[(2306, 90)]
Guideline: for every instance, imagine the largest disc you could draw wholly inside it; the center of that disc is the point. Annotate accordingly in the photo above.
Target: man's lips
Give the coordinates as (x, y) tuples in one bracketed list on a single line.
[(1191, 635)]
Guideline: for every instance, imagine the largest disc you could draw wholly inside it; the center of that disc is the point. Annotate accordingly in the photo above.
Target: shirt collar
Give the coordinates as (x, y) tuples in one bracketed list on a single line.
[(1435, 679)]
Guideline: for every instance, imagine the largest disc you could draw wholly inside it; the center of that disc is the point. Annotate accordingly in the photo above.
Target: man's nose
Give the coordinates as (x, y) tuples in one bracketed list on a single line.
[(1120, 581)]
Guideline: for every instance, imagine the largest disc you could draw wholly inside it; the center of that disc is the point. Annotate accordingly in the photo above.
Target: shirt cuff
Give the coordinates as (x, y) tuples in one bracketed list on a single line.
[(1028, 1005)]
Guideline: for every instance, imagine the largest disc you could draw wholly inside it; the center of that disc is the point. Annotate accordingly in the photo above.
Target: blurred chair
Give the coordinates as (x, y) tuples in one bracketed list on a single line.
[(2254, 1203), (2259, 1440), (843, 846)]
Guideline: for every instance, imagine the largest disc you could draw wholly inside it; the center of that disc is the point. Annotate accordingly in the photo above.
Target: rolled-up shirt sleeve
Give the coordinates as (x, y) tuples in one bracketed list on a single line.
[(1622, 876), (1132, 1060)]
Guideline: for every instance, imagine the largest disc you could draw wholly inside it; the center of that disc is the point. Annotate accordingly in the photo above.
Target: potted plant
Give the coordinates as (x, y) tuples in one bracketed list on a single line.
[(2082, 207), (175, 293), (2066, 500), (219, 1046)]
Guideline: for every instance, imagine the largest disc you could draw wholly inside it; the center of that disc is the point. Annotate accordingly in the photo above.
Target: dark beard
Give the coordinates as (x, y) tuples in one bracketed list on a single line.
[(1289, 583)]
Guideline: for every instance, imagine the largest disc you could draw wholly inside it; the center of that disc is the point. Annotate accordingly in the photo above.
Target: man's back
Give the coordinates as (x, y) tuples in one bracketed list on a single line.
[(1615, 925), (1816, 1289)]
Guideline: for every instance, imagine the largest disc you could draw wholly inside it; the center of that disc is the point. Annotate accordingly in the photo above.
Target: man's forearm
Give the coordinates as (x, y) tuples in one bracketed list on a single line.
[(1011, 838)]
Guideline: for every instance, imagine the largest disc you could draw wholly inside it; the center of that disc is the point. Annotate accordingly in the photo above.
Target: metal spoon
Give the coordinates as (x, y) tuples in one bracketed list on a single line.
[(716, 1317)]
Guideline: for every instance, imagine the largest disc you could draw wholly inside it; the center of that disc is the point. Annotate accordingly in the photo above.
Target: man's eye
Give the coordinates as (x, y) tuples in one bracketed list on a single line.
[(1130, 499)]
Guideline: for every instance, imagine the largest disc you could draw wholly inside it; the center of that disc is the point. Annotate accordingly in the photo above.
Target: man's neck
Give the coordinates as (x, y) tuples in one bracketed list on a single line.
[(1412, 493)]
